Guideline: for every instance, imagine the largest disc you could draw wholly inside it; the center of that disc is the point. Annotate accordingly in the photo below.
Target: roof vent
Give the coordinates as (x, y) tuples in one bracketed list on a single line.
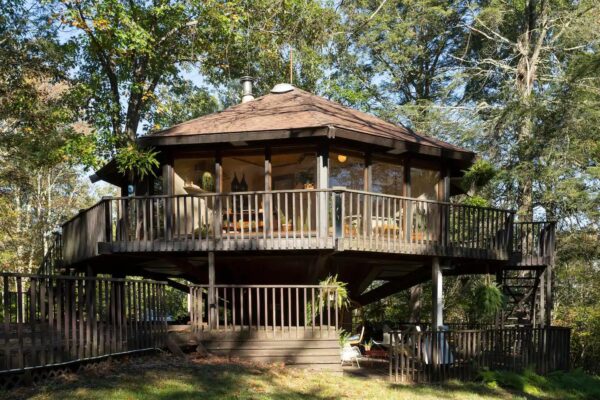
[(247, 88), (282, 88)]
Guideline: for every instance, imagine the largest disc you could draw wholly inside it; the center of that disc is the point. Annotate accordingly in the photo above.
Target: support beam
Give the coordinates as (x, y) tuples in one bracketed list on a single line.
[(387, 289), (437, 296), (212, 298)]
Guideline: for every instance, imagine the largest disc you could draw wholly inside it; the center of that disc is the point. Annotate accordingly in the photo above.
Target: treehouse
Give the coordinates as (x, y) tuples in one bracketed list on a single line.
[(256, 204)]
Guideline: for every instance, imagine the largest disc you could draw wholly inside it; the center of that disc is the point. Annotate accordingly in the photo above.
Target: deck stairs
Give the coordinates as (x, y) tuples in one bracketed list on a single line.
[(522, 291)]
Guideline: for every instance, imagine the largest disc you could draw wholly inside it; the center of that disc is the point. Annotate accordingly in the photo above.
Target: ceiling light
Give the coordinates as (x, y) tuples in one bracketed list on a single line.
[(342, 158)]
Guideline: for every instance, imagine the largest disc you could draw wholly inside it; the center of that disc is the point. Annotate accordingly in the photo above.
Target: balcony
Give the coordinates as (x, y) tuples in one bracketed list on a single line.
[(336, 219)]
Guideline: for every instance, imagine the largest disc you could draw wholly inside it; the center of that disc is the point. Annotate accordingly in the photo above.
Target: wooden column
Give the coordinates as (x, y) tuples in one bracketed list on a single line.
[(323, 183), (268, 187), (218, 205), (167, 181), (368, 174), (415, 292), (212, 298), (406, 187), (437, 296)]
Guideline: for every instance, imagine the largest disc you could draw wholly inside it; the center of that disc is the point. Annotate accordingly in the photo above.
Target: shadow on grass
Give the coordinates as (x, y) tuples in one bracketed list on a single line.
[(167, 378)]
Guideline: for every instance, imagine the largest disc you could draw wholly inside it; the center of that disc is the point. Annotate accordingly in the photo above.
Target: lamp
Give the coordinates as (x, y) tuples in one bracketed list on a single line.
[(342, 158)]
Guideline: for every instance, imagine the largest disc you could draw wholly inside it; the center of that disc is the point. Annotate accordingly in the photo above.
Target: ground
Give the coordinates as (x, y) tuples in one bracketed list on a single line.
[(162, 377)]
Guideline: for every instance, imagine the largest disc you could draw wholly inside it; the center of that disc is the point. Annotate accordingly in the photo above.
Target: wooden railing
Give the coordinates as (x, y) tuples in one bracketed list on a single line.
[(534, 243), (460, 354), (273, 311), (292, 219), (52, 320), (385, 223), (52, 261)]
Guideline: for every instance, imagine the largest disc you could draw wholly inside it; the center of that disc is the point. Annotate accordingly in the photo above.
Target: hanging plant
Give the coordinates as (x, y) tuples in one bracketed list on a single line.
[(341, 291), (489, 298)]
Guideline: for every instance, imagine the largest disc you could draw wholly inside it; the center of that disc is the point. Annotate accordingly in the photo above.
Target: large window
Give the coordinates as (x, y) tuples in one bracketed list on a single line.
[(294, 170), (347, 169), (424, 183), (244, 172), (194, 175), (387, 178)]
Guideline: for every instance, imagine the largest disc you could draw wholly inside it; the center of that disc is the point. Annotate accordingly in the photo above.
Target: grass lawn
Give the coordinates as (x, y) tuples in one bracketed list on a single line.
[(165, 377)]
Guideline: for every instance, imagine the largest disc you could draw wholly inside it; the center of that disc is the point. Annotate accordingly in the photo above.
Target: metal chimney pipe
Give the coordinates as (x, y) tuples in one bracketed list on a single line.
[(247, 88)]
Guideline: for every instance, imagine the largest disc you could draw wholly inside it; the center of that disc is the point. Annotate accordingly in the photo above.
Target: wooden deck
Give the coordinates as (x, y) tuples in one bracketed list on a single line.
[(341, 220)]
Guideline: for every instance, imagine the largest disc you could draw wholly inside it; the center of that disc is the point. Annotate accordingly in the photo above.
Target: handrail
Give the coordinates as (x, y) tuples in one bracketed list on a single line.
[(282, 191), (289, 219)]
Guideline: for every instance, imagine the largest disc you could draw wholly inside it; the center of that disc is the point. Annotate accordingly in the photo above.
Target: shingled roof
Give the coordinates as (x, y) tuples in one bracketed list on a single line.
[(292, 111)]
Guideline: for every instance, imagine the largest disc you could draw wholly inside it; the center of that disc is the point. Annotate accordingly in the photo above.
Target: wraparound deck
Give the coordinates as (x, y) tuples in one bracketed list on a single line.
[(282, 220), (336, 219)]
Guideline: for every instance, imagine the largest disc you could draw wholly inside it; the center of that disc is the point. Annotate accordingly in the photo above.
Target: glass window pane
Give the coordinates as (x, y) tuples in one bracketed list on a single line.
[(294, 170), (424, 183), (194, 175), (387, 178), (346, 170), (244, 173)]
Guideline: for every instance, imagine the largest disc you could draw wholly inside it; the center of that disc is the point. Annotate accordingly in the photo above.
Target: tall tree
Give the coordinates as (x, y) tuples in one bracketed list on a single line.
[(517, 64), (396, 58), (41, 135), (129, 49)]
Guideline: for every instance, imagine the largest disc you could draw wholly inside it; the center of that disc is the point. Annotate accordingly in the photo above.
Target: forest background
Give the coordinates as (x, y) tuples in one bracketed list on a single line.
[(517, 81)]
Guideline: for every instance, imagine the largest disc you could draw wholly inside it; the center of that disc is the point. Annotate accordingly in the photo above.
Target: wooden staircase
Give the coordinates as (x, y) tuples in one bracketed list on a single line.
[(522, 295)]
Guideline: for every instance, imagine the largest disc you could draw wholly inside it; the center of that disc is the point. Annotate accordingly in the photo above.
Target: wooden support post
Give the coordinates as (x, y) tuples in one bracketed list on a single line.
[(323, 183), (212, 300), (167, 176), (218, 206), (437, 296), (547, 294), (268, 187)]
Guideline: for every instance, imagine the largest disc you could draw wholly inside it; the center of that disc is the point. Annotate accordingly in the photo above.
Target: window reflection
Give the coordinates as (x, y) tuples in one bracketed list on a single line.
[(294, 170), (194, 175), (243, 173), (424, 183), (387, 178), (346, 170)]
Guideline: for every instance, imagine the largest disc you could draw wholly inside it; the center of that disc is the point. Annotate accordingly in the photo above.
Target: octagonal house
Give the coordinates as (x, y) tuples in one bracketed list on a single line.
[(259, 203)]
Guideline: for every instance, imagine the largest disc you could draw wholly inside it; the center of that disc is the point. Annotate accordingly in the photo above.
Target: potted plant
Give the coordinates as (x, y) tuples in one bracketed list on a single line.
[(208, 182), (286, 225)]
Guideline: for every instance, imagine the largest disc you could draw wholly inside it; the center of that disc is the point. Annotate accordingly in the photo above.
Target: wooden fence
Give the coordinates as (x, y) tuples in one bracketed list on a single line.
[(273, 311), (53, 320), (290, 219), (460, 354)]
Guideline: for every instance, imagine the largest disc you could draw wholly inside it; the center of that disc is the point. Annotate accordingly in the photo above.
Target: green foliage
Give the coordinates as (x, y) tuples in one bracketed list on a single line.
[(478, 175), (343, 300), (178, 103), (176, 304), (489, 299), (143, 162)]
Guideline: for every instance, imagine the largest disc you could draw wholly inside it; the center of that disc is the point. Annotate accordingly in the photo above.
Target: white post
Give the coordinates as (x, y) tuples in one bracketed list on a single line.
[(437, 296), (323, 183)]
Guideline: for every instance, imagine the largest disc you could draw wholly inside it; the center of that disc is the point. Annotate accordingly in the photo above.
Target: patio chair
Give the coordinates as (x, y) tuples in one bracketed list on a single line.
[(350, 354), (356, 340)]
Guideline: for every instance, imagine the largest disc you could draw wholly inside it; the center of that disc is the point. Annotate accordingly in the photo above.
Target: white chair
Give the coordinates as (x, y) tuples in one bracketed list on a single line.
[(350, 354)]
